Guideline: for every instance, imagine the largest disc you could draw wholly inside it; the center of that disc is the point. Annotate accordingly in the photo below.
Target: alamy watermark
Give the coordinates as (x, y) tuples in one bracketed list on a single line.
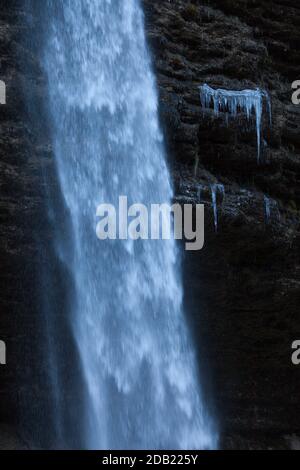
[(2, 92), (156, 222), (2, 343), (296, 93), (2, 353), (296, 353)]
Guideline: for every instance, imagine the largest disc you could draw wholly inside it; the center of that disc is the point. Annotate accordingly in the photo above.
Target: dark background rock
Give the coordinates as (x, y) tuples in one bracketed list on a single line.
[(243, 289)]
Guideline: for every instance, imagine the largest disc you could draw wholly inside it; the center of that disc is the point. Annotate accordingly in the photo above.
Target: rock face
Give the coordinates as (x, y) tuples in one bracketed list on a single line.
[(19, 190), (243, 289)]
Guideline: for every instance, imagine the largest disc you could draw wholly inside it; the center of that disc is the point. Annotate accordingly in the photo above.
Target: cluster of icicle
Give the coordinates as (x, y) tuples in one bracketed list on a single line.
[(246, 101), (270, 205)]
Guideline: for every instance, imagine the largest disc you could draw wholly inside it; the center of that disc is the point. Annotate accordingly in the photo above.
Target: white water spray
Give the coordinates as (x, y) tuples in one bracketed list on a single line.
[(140, 376)]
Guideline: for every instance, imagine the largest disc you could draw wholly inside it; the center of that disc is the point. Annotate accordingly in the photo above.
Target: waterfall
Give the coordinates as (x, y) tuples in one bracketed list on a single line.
[(139, 375), (248, 101)]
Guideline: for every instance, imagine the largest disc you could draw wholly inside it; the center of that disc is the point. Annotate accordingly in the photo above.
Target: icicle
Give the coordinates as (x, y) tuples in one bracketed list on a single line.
[(231, 102), (214, 202), (271, 205), (215, 188), (267, 202)]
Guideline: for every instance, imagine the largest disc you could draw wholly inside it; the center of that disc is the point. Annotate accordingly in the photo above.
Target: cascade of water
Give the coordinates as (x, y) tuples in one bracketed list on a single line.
[(139, 372), (232, 102)]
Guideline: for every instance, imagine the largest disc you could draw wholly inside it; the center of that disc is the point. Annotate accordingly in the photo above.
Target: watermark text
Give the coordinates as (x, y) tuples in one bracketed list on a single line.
[(296, 353), (296, 93), (2, 353), (157, 222)]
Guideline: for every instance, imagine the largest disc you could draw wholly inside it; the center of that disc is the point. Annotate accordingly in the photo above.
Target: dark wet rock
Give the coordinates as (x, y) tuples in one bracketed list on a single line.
[(243, 289), (10, 440)]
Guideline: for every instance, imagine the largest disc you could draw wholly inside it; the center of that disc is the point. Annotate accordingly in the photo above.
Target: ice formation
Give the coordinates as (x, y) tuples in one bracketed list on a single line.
[(267, 202), (233, 102), (270, 205), (215, 189)]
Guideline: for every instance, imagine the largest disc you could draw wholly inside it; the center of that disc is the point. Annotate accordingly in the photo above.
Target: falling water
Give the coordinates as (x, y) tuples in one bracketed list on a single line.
[(140, 382), (248, 101)]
